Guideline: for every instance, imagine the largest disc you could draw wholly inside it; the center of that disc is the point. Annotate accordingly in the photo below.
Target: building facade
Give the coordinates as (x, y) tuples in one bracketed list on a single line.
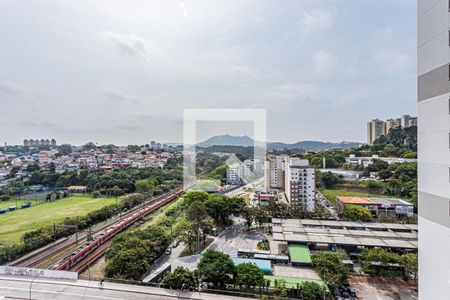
[(300, 184), (274, 171), (375, 129), (434, 148)]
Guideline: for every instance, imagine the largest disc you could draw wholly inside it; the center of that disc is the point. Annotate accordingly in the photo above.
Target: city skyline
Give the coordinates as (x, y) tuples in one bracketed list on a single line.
[(120, 67)]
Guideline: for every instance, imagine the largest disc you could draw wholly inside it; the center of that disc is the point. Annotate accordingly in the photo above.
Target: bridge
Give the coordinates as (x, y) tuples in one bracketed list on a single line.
[(60, 289)]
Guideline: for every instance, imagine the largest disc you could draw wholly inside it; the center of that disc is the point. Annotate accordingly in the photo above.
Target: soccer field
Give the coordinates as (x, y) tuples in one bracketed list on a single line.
[(14, 224)]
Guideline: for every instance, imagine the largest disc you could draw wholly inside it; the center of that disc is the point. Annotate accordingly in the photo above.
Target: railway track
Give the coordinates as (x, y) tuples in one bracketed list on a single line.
[(87, 261), (45, 257)]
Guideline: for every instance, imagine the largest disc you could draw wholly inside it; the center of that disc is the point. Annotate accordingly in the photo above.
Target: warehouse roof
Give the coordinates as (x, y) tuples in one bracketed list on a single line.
[(354, 200)]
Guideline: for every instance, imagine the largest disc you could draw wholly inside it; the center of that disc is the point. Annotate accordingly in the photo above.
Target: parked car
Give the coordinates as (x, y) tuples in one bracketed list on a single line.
[(175, 244), (168, 251), (351, 291)]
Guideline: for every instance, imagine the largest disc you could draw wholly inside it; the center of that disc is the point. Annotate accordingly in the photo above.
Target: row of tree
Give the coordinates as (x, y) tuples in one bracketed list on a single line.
[(216, 270)]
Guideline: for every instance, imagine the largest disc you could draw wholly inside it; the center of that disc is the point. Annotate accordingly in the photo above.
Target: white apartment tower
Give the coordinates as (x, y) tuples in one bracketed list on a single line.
[(434, 148), (300, 184), (274, 171)]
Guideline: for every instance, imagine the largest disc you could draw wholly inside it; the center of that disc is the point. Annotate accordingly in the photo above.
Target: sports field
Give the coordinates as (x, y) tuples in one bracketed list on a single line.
[(9, 203), (14, 224), (299, 253), (291, 282)]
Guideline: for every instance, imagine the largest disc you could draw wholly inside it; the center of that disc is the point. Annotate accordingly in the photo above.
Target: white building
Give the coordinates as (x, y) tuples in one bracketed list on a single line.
[(300, 183), (274, 171), (408, 121), (234, 173), (434, 148), (368, 160)]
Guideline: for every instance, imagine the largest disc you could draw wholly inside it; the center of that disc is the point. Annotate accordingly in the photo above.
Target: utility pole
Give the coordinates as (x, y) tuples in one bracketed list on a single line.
[(54, 233)]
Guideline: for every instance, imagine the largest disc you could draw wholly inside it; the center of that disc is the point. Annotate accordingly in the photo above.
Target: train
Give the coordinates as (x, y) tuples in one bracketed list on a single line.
[(100, 238)]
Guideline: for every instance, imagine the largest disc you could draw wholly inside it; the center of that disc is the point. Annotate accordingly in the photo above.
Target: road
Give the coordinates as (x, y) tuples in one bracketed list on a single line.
[(46, 289), (325, 203)]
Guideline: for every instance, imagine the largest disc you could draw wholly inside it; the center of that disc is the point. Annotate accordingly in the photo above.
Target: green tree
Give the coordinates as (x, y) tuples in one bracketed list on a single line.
[(380, 262), (145, 186), (280, 288), (193, 196), (330, 268), (180, 279), (186, 233), (311, 290), (357, 213), (128, 264), (216, 268), (410, 262), (249, 276)]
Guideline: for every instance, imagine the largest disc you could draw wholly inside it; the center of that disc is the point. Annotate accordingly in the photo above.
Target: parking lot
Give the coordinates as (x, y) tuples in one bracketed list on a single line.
[(375, 289)]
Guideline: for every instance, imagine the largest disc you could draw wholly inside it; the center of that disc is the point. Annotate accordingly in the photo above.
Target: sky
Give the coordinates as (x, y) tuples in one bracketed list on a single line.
[(123, 71)]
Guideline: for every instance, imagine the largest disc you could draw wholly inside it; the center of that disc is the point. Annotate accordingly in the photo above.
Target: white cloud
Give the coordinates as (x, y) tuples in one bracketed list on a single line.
[(116, 95), (10, 88), (292, 92), (323, 62), (392, 61), (317, 19), (244, 71), (130, 44)]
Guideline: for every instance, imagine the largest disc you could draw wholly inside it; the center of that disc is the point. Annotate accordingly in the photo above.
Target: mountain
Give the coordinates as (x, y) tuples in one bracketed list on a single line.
[(227, 140), (312, 145), (245, 141)]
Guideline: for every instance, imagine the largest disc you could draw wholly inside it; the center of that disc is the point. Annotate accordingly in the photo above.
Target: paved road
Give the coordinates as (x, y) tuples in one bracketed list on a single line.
[(19, 288)]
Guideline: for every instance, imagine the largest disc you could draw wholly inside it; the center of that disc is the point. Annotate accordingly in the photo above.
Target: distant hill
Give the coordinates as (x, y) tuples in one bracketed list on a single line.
[(245, 141), (227, 140), (312, 145)]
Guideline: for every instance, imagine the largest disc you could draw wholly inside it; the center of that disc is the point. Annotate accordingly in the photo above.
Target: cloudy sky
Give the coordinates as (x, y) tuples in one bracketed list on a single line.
[(123, 71)]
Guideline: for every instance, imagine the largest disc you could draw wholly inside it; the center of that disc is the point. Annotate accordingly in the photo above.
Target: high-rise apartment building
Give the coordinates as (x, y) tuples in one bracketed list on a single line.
[(434, 148), (274, 171), (375, 129), (300, 184), (390, 124), (234, 173), (408, 121)]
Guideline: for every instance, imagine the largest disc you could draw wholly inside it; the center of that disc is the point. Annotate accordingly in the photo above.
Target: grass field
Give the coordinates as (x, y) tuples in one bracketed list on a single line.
[(14, 224), (9, 203), (331, 194)]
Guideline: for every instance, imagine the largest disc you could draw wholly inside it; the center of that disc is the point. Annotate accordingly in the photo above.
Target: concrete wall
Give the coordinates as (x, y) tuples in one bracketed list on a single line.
[(434, 149)]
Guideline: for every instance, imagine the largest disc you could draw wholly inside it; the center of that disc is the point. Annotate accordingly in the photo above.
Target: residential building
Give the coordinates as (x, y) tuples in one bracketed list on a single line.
[(408, 121), (434, 148), (234, 173), (300, 184), (391, 123), (375, 129), (274, 171)]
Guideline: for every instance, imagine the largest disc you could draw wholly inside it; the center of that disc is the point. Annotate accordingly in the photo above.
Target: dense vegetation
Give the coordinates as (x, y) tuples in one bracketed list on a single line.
[(382, 263), (216, 270), (189, 220), (330, 268), (124, 179)]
